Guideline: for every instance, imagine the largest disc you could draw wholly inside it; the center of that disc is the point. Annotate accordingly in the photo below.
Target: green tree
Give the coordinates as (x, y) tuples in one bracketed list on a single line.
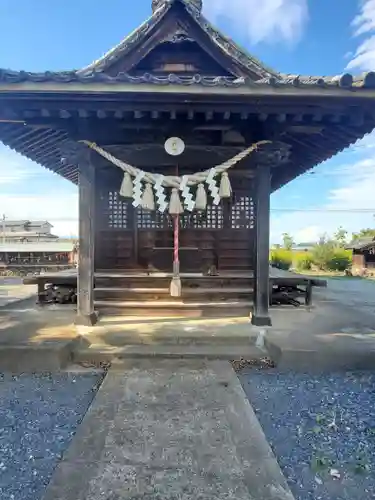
[(288, 241), (323, 252), (340, 236), (364, 233)]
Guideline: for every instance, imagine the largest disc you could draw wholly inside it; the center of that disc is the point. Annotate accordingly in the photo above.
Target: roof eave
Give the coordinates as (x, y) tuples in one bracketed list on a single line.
[(176, 85)]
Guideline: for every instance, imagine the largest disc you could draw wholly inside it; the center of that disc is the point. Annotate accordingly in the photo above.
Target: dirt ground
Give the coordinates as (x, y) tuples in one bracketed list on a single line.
[(12, 290), (343, 317), (350, 291)]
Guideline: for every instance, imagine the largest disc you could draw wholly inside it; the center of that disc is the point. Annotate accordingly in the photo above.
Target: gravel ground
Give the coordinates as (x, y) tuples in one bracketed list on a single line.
[(321, 428), (39, 415)]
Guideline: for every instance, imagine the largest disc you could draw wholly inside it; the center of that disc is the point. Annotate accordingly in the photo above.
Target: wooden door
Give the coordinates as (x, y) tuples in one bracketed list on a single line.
[(114, 232)]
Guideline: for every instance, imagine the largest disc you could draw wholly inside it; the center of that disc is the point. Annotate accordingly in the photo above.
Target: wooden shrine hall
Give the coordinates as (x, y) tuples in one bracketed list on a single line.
[(176, 139)]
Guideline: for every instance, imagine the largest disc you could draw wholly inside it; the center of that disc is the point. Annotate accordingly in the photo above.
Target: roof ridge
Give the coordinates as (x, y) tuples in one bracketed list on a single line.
[(136, 33), (225, 43)]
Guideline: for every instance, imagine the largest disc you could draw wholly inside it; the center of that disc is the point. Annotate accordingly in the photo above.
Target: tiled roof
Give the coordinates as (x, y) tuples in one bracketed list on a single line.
[(258, 73), (224, 43), (346, 80), (53, 247), (32, 223), (362, 244), (157, 4)]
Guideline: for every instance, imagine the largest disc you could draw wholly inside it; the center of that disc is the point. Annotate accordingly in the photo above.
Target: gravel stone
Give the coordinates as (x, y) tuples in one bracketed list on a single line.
[(321, 428), (39, 415)]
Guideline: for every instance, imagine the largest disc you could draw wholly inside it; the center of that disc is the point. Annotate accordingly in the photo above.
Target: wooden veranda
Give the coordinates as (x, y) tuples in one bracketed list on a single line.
[(177, 76)]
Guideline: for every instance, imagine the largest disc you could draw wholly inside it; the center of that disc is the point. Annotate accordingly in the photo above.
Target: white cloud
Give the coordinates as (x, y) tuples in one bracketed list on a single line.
[(355, 190), (308, 234), (364, 27), (265, 20)]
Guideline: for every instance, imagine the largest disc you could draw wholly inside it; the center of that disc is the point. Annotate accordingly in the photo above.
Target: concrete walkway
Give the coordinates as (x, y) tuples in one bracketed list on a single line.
[(169, 430)]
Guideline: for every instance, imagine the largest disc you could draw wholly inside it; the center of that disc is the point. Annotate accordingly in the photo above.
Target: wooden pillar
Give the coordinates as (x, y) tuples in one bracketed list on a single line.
[(260, 315), (86, 314)]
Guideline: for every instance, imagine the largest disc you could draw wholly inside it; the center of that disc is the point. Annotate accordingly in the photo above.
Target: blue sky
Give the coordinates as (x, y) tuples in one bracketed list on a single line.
[(316, 37)]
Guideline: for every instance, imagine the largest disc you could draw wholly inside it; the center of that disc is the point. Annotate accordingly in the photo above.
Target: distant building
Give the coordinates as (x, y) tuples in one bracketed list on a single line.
[(30, 245), (38, 255), (303, 247), (24, 231)]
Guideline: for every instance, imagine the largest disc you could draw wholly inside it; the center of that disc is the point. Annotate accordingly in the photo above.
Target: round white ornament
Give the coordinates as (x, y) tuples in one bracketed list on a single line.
[(174, 146)]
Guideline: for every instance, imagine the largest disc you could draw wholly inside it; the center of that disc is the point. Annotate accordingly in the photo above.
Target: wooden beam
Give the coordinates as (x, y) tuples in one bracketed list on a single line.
[(85, 311), (65, 114), (83, 113), (357, 119), (336, 118), (101, 114), (43, 141), (298, 117), (15, 141), (261, 315), (317, 117), (281, 118), (219, 126)]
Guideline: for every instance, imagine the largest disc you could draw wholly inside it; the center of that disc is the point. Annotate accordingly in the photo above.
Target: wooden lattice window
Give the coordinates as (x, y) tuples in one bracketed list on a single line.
[(151, 220), (118, 210), (243, 213), (212, 218)]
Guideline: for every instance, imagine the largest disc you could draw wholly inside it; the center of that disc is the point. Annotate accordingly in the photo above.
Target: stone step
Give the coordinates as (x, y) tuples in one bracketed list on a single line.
[(39, 357), (118, 332), (97, 354)]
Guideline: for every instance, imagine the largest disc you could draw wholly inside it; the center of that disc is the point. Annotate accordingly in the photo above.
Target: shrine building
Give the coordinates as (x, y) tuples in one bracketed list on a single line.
[(176, 139)]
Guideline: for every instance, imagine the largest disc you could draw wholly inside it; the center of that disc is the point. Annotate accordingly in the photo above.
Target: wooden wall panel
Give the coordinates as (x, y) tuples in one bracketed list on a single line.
[(128, 238)]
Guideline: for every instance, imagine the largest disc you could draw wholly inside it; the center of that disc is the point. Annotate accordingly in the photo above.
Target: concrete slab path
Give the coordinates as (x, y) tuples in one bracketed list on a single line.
[(169, 430)]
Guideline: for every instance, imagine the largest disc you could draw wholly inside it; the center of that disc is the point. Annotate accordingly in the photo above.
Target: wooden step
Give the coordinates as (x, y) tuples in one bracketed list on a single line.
[(174, 308), (171, 304), (162, 281), (187, 290), (157, 294), (131, 290), (157, 275)]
